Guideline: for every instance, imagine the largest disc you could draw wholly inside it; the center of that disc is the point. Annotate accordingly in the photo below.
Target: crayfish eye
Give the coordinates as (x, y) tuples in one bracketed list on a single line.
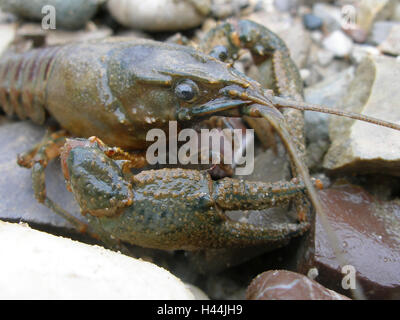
[(220, 52), (187, 90)]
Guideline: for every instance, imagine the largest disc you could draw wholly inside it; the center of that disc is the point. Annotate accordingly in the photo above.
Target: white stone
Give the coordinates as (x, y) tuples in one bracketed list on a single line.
[(7, 35), (37, 265), (156, 15), (338, 43)]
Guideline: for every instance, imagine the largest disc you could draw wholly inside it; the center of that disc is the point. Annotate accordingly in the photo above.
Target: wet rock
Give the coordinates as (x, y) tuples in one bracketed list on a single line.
[(330, 15), (159, 15), (380, 31), (312, 22), (338, 43), (362, 147), (368, 231), (18, 202), (7, 35), (369, 11), (328, 93), (71, 14), (391, 45), (41, 266), (287, 285)]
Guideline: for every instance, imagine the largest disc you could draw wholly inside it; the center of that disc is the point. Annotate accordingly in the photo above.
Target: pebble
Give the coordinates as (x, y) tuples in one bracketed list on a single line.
[(361, 146), (338, 43), (288, 285), (312, 22), (361, 51), (158, 15), (391, 45), (380, 31), (41, 266), (330, 15), (287, 5), (369, 237), (69, 14)]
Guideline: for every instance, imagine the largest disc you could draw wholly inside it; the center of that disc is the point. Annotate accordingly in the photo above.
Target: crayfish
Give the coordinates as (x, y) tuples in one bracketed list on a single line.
[(118, 89)]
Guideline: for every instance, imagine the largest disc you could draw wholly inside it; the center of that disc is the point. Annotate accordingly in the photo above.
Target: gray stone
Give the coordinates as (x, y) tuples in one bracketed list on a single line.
[(328, 93), (330, 15), (290, 30), (18, 202), (361, 51), (338, 43), (363, 147), (71, 14), (391, 45), (312, 22), (325, 57), (380, 31), (222, 9)]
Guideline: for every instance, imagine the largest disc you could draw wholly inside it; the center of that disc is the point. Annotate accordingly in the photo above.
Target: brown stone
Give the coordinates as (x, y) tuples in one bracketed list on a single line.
[(369, 238), (287, 285)]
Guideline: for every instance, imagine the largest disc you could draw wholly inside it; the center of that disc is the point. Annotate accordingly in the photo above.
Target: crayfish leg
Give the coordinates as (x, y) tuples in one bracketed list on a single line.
[(37, 160)]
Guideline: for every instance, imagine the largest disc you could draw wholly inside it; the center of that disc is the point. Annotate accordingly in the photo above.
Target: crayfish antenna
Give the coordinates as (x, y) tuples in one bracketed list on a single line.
[(280, 127), (280, 102)]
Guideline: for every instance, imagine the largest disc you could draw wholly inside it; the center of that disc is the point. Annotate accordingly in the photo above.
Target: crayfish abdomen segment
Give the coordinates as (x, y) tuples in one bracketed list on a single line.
[(23, 79)]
